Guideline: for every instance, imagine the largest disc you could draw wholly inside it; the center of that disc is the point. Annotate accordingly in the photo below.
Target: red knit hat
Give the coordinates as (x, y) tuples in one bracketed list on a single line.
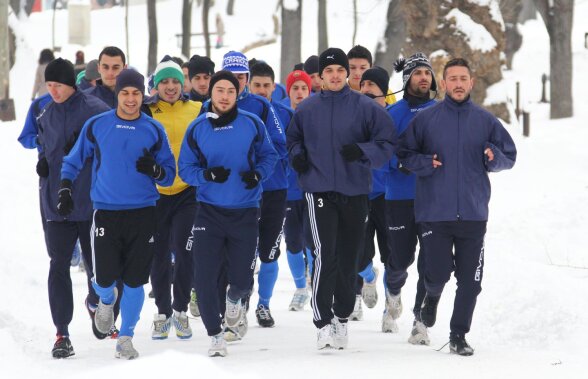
[(295, 76)]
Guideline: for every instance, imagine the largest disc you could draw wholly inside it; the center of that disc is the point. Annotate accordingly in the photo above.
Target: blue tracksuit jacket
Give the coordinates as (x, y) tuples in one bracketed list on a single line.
[(398, 185), (241, 145), (458, 133), (103, 93), (116, 145), (28, 136), (323, 124)]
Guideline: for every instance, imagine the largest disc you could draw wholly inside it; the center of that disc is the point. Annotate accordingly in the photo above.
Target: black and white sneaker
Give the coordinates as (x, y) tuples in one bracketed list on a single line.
[(459, 345), (429, 310), (92, 312), (264, 317), (62, 348)]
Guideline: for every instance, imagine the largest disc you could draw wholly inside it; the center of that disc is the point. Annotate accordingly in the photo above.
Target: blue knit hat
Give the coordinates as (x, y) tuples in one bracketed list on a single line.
[(129, 78), (235, 62)]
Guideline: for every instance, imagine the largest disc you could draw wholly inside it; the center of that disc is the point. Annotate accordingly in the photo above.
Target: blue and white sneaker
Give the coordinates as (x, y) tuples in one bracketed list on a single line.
[(161, 326), (182, 325)]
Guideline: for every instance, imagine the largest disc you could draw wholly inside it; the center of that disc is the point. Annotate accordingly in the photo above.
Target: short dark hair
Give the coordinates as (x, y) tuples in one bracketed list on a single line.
[(261, 68), (457, 62), (360, 52), (113, 51), (46, 56), (178, 60), (185, 65)]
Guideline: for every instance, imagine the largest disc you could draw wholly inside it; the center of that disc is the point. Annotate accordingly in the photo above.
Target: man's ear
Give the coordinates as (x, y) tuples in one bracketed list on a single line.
[(471, 83), (442, 85)]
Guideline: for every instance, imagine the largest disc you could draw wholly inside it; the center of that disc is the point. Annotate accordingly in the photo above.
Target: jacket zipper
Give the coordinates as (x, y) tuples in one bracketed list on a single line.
[(458, 165), (332, 144)]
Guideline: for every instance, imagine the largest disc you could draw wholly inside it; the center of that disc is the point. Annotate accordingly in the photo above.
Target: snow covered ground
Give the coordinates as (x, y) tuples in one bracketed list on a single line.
[(532, 316)]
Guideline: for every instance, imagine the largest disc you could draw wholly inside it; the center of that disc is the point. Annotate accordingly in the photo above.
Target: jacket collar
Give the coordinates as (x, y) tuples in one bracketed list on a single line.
[(150, 100), (458, 106), (343, 92)]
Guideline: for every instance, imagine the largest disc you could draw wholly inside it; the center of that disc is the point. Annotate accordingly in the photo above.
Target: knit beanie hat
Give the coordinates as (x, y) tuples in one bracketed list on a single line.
[(377, 75), (311, 65), (331, 56), (168, 69), (129, 78), (407, 66), (235, 62), (295, 76), (223, 75), (92, 70), (61, 71), (200, 65)]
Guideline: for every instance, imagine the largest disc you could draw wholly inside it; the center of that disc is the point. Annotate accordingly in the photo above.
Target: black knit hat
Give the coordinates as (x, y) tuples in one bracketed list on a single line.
[(200, 65), (223, 75), (61, 71), (407, 66), (377, 75), (331, 56), (129, 78), (311, 65)]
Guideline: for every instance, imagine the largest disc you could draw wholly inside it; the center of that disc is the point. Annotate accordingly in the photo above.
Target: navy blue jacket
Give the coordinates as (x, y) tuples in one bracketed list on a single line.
[(262, 108), (116, 145), (399, 185), (241, 145), (323, 124), (458, 133), (103, 93), (28, 137), (60, 124), (279, 92)]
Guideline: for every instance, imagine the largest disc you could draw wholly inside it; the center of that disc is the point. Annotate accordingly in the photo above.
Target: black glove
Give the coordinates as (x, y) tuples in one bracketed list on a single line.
[(351, 152), (217, 174), (300, 163), (65, 203), (70, 144), (251, 178), (403, 169), (42, 168), (147, 165)]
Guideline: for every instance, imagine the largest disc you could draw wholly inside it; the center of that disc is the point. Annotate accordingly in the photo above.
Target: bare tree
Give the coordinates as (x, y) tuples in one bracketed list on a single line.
[(354, 22), (230, 7), (323, 36), (394, 36), (186, 26), (291, 35), (558, 16), (152, 21), (205, 28)]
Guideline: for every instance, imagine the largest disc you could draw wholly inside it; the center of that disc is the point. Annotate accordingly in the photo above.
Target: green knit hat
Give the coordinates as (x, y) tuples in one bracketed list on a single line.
[(168, 69)]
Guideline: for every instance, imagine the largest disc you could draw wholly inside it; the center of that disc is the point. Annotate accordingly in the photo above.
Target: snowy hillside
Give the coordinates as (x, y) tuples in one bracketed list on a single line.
[(531, 320)]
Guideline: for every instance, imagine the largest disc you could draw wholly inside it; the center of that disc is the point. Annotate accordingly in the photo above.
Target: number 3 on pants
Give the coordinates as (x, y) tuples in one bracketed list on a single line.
[(99, 232), (320, 202)]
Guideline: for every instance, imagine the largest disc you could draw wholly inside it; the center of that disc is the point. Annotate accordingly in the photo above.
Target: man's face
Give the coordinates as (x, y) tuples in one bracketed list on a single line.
[(200, 83), (242, 78), (458, 82), (129, 103), (59, 92), (369, 87), (420, 82), (316, 82), (262, 86), (170, 90), (298, 92), (187, 84), (334, 76), (109, 68), (357, 66), (223, 96)]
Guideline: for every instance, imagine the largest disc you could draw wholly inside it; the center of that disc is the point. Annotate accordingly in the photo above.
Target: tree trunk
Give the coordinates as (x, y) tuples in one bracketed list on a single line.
[(323, 35), (152, 21), (291, 33), (205, 29), (354, 22), (558, 20), (394, 36), (230, 6), (186, 27)]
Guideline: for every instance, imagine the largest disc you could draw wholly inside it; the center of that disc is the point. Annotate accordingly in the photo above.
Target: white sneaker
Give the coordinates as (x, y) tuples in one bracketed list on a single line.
[(194, 304), (104, 317), (237, 333), (125, 349), (299, 299), (357, 314), (161, 327), (340, 334), (389, 325), (369, 293), (218, 346), (233, 313), (393, 305), (182, 325), (419, 335), (324, 337)]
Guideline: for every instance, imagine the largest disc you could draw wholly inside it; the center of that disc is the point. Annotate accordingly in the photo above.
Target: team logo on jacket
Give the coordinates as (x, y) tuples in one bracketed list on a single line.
[(128, 127), (220, 129), (158, 110), (427, 233), (151, 240)]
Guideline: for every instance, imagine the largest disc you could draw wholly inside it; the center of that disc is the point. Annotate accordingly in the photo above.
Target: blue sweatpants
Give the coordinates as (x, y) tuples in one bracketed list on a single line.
[(224, 239), (459, 246)]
